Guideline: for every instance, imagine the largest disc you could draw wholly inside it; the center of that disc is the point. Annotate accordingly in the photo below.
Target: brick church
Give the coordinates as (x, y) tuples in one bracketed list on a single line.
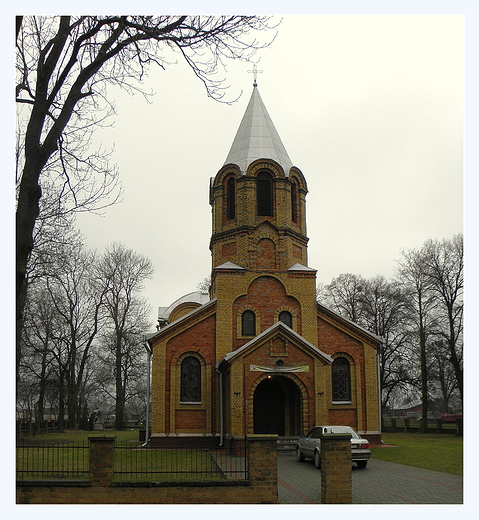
[(258, 354)]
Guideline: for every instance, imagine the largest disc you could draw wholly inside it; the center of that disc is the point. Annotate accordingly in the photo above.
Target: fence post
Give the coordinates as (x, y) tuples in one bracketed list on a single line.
[(438, 425), (459, 427), (101, 460), (263, 466), (336, 478)]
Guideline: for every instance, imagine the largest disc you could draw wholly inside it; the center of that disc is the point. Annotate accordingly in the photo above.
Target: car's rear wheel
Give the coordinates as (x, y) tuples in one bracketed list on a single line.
[(299, 455), (317, 459), (362, 463)]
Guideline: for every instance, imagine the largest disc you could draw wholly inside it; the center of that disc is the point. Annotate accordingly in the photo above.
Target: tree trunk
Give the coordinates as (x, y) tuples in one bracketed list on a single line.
[(422, 341), (26, 215), (120, 389)]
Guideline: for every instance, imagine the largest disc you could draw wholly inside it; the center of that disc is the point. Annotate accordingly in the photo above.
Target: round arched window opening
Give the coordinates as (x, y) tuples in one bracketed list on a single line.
[(248, 323), (341, 380), (230, 198), (190, 391), (286, 318), (264, 194)]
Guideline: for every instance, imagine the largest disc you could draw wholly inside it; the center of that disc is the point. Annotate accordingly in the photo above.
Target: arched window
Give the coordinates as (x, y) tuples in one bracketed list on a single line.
[(264, 194), (341, 380), (248, 323), (294, 202), (230, 199), (190, 380), (286, 318)]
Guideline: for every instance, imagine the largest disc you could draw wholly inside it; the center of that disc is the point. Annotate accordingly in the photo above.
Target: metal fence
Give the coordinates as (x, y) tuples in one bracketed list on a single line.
[(52, 460), (132, 462), (146, 463), (405, 424)]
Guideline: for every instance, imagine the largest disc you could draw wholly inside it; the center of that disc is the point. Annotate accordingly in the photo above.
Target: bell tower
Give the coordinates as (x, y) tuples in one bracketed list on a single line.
[(258, 199), (259, 245)]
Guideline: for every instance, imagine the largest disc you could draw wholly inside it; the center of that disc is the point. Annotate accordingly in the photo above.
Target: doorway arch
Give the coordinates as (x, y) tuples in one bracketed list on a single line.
[(277, 406)]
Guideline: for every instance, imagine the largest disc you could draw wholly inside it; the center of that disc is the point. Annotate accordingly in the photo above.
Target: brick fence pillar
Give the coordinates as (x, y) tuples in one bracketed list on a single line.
[(101, 460), (263, 466), (336, 485)]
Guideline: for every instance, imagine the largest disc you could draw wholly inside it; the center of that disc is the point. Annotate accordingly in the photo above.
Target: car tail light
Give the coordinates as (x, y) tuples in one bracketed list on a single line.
[(365, 445)]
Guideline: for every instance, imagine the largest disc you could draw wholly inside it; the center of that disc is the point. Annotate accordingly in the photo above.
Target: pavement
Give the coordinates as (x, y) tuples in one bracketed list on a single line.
[(379, 483)]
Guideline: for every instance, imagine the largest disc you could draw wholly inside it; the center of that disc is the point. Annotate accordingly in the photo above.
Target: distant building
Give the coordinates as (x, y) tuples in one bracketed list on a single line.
[(258, 354)]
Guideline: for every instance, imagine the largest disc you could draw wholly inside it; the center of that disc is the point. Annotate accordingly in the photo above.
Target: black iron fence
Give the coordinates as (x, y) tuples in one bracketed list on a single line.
[(179, 463), (132, 462), (52, 460)]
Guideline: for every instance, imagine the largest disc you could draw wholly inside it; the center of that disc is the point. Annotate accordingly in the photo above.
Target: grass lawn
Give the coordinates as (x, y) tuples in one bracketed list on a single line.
[(429, 451)]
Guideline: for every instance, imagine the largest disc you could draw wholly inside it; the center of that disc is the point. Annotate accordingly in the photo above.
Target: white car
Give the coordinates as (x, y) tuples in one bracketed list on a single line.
[(309, 445)]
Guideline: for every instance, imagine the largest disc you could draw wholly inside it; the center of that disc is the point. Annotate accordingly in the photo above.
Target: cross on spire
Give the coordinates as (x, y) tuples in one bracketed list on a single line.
[(255, 71)]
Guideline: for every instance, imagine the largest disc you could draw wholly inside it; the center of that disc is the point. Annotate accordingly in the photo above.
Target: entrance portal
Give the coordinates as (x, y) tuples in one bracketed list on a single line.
[(277, 407)]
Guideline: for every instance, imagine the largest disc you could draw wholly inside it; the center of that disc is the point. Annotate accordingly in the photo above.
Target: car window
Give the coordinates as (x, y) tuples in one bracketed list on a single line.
[(345, 429), (314, 433)]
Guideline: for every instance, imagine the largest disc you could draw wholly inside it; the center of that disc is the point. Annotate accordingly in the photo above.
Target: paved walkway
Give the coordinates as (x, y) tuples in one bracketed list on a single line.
[(379, 483)]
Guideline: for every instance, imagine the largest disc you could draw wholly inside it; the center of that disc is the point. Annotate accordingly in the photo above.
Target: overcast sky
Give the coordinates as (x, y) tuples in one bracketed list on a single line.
[(370, 108)]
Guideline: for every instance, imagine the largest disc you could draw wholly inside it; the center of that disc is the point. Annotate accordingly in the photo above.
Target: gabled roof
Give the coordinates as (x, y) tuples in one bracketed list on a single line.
[(257, 138), (334, 317), (193, 315), (284, 329)]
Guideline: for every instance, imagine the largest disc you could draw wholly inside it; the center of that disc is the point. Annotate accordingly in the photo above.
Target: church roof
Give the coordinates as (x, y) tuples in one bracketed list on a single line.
[(200, 297), (230, 265), (301, 267), (257, 138), (279, 325)]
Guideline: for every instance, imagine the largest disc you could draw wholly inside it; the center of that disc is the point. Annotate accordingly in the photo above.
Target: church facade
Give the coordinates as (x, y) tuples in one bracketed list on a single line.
[(258, 354)]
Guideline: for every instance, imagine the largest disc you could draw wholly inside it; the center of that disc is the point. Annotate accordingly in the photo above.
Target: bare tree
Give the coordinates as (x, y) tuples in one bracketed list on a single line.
[(421, 309), (77, 300), (444, 265), (38, 340), (64, 65), (344, 294), (379, 306), (443, 378), (383, 307), (205, 284), (122, 273)]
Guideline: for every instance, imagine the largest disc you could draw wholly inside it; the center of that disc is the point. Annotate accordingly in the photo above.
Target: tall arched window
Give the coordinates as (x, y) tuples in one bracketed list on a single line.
[(248, 323), (294, 202), (286, 318), (230, 199), (264, 194), (341, 380), (190, 380)]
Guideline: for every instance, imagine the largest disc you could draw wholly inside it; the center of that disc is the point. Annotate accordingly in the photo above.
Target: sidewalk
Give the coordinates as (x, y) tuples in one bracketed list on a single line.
[(379, 483)]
